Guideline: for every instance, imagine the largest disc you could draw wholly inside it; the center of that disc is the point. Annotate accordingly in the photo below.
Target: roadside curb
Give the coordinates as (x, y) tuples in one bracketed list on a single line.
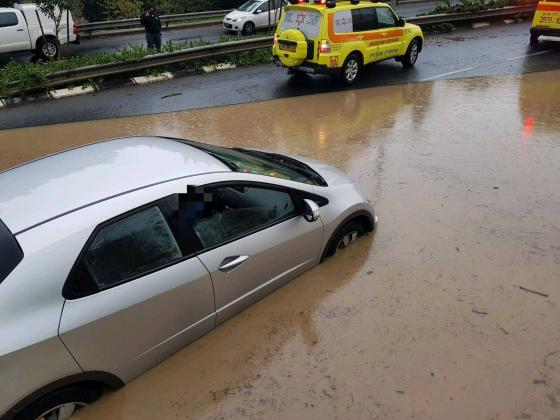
[(73, 91), (218, 67), (143, 80), (85, 89)]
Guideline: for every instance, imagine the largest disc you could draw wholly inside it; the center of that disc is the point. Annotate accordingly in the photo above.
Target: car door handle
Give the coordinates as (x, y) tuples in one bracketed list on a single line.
[(19, 30), (230, 263)]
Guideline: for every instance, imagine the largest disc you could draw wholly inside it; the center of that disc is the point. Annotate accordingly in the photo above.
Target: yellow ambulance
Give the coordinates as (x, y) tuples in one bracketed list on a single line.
[(340, 37), (546, 21)]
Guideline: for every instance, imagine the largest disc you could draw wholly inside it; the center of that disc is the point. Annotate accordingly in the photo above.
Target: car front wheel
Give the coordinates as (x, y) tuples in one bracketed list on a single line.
[(248, 28), (344, 237), (59, 405)]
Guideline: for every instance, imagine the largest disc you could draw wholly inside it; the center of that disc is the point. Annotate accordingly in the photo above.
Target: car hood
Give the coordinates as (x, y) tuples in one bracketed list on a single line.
[(236, 14)]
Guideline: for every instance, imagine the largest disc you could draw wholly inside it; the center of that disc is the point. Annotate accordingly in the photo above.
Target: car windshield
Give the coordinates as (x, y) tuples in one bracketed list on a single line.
[(9, 250), (260, 163), (307, 21), (249, 6)]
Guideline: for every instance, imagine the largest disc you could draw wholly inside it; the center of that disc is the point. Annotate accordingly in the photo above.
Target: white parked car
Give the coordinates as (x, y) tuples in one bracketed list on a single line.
[(254, 14), (20, 31)]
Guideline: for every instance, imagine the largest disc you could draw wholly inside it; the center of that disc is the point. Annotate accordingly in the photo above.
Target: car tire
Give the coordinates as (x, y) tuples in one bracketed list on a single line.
[(248, 28), (48, 49), (350, 70), (61, 403), (411, 55), (534, 41), (344, 237)]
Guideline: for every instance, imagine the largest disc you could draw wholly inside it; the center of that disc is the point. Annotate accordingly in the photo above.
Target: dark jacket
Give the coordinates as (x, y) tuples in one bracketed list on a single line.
[(151, 23)]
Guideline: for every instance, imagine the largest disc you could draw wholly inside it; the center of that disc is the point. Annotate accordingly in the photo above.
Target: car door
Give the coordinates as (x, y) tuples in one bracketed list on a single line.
[(13, 32), (261, 15), (363, 21), (253, 239), (136, 294), (390, 34)]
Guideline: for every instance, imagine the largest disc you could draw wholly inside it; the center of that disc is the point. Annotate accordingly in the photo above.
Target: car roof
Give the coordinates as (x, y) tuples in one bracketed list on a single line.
[(49, 187)]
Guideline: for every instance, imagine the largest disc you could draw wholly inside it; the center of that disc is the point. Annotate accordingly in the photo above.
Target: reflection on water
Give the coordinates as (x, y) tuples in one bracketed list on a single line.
[(427, 319)]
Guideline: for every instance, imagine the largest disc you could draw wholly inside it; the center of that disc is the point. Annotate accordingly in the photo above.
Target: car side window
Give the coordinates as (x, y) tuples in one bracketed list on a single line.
[(8, 19), (129, 247), (232, 211), (263, 7), (364, 19), (385, 18)]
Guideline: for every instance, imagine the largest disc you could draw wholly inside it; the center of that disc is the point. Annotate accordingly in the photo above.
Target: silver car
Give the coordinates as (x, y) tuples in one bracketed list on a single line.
[(117, 254)]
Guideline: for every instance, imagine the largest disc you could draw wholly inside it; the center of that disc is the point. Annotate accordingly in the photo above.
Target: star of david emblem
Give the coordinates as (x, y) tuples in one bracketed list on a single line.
[(300, 20)]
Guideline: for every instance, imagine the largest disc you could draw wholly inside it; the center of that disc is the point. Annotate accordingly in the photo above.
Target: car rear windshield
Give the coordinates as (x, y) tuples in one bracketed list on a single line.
[(10, 252), (307, 21)]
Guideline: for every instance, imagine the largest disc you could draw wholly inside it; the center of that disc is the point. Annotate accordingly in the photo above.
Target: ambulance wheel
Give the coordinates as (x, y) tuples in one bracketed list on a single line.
[(350, 70), (411, 55)]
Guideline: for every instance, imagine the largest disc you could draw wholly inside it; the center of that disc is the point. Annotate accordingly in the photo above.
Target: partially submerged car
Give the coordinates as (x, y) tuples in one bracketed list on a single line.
[(117, 254)]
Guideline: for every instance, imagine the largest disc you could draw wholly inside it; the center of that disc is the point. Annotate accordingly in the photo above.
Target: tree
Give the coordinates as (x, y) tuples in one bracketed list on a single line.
[(56, 10)]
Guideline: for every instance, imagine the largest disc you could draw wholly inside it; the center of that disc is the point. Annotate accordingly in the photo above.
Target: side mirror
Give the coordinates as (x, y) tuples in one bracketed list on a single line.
[(311, 210), (258, 12), (401, 22)]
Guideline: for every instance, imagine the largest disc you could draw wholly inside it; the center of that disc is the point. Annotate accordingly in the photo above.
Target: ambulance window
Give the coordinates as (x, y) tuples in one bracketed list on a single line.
[(385, 18), (364, 19), (343, 22), (307, 21)]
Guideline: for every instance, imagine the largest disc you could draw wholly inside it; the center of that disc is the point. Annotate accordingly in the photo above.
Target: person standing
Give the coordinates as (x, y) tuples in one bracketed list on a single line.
[(152, 25)]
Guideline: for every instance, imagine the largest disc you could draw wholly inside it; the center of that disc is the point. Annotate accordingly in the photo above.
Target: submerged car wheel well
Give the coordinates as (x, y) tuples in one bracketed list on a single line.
[(87, 380), (362, 217)]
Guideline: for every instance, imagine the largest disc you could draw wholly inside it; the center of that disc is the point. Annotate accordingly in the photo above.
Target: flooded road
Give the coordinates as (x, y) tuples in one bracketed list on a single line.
[(435, 315)]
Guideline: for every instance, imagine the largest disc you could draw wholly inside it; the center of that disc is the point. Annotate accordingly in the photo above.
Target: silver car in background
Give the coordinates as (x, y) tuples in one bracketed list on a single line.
[(115, 255)]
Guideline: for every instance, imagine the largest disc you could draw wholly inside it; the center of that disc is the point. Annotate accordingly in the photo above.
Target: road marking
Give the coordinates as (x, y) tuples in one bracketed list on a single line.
[(526, 55), (142, 80), (447, 74), (472, 68)]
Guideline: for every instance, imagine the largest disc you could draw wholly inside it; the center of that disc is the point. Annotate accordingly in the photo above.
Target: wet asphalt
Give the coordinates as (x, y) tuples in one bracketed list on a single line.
[(495, 50)]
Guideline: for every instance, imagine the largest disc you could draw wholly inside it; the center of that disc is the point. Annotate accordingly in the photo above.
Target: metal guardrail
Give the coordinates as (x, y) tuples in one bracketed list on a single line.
[(456, 17), (96, 71), (91, 27)]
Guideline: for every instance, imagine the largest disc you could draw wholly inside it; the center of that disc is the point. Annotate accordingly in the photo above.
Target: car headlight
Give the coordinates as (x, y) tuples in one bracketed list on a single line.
[(234, 20)]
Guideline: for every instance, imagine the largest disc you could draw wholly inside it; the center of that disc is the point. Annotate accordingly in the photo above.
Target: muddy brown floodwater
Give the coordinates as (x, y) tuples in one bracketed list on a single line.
[(425, 319)]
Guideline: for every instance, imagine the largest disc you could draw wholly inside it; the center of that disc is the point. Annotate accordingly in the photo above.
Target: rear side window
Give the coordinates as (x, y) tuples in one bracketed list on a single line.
[(10, 252), (343, 22), (8, 19), (307, 21), (364, 19), (127, 248)]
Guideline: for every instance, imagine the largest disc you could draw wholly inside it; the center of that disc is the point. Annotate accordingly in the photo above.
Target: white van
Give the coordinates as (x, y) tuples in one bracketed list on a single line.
[(20, 31)]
